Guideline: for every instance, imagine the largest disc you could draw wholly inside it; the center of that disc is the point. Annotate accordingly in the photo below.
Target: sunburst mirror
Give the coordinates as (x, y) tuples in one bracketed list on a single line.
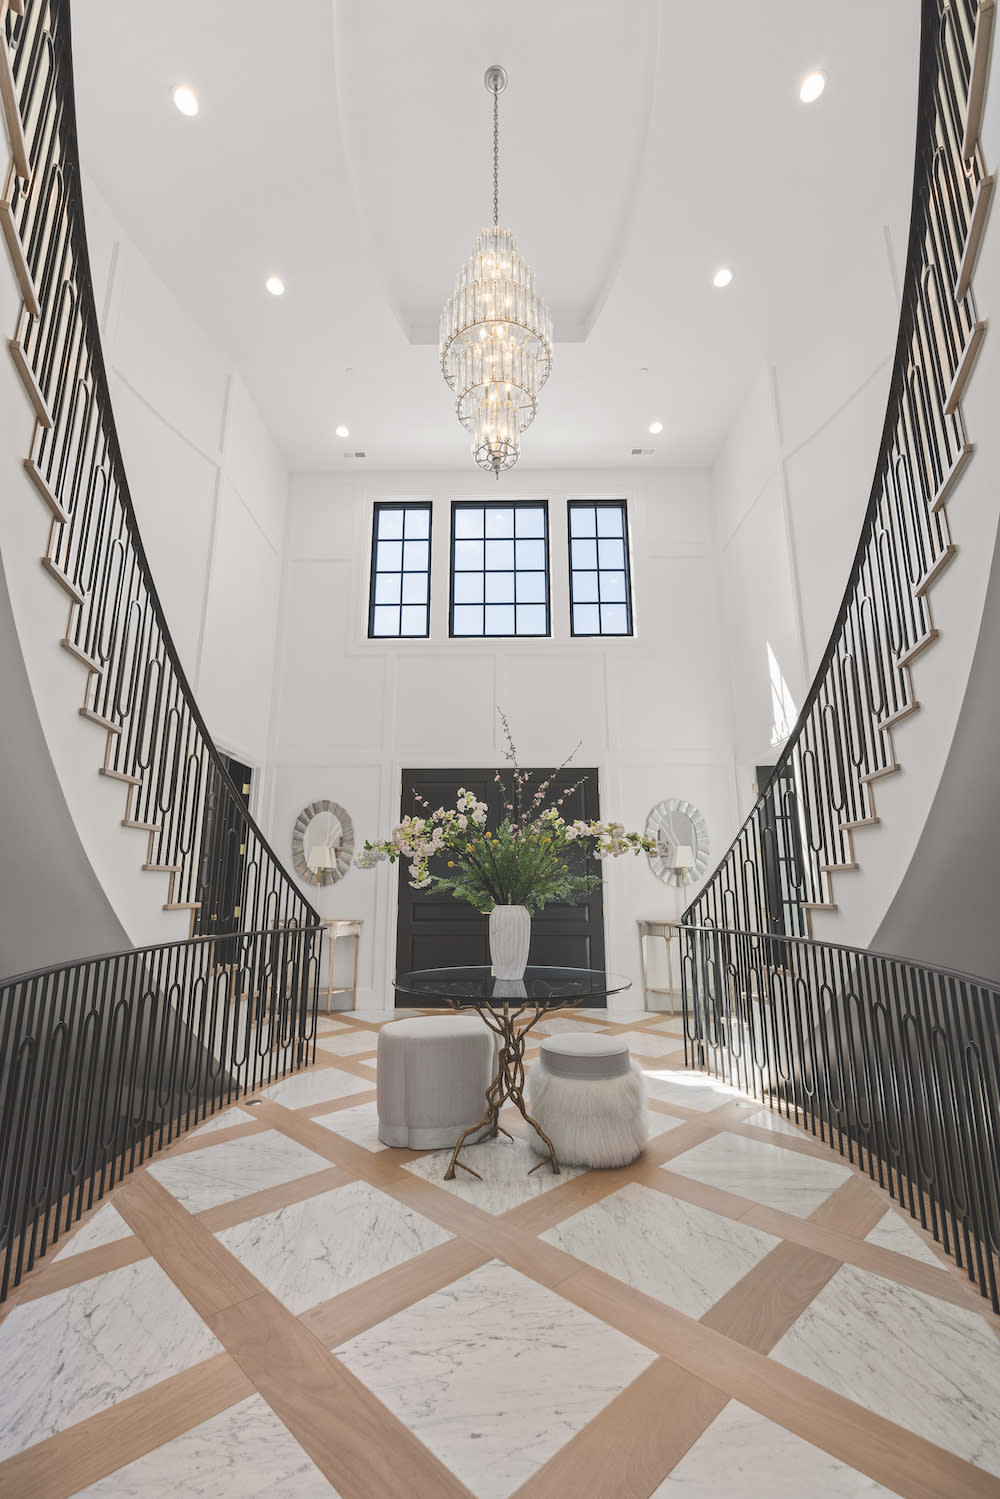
[(322, 843), (680, 833)]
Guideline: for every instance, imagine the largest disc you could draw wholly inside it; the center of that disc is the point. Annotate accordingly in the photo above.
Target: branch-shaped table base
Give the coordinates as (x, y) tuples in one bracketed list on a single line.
[(508, 1084)]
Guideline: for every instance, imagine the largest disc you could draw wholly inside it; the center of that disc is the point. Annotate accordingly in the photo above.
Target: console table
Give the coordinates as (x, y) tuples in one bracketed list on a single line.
[(510, 1007), (667, 930), (336, 927)]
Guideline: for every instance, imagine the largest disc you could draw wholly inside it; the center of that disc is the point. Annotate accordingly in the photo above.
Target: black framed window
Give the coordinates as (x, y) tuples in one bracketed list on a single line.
[(400, 596), (600, 587), (500, 568)]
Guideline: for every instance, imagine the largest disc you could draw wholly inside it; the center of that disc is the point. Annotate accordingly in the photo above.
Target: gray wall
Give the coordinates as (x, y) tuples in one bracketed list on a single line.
[(946, 910), (52, 907)]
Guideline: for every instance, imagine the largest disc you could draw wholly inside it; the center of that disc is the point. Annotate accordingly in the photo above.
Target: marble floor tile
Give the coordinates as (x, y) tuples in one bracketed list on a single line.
[(931, 1367), (503, 1165), (106, 1227), (768, 1119), (658, 1124), (226, 1120), (673, 1026), (781, 1179), (326, 1025), (695, 1090), (647, 1043), (349, 1043), (243, 1453), (312, 1250), (382, 1016), (316, 1087), (683, 1255), (743, 1454), (894, 1232), (235, 1168), (359, 1125), (629, 1015), (494, 1395), (77, 1351), (559, 1024), (592, 1014)]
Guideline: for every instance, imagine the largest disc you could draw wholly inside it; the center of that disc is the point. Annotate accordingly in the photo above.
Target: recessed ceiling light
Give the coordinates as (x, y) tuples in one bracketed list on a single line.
[(811, 87), (342, 431), (722, 277), (275, 286), (186, 99), (656, 428)]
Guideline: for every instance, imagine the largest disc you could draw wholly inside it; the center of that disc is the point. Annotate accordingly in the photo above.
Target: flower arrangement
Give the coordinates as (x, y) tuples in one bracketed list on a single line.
[(528, 860)]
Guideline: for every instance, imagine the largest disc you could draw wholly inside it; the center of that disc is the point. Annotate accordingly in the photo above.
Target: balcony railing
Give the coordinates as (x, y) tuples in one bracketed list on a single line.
[(894, 1064), (104, 1062)]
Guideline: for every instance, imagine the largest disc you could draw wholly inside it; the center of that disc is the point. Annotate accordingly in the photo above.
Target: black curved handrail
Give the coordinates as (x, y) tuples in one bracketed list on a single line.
[(800, 829), (894, 1063), (105, 1061), (220, 865)]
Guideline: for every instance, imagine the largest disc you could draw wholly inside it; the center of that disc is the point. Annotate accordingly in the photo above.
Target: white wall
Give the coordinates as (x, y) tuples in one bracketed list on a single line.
[(208, 485), (791, 488), (350, 713)]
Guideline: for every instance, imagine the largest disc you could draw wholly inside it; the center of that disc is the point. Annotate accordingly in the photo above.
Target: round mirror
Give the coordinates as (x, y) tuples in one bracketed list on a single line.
[(322, 843), (680, 833)]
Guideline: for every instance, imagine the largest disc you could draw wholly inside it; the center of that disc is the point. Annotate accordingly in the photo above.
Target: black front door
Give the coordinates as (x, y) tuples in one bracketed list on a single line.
[(437, 931), (223, 857)]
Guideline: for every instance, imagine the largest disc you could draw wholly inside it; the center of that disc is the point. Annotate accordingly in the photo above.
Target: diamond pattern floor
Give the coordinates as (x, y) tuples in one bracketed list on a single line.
[(279, 1304)]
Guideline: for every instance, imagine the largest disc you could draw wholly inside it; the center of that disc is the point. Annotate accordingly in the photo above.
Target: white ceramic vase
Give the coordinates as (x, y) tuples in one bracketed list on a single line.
[(510, 937)]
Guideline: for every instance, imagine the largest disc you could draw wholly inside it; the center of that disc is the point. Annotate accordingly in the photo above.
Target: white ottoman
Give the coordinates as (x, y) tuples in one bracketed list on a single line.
[(431, 1079), (590, 1099)]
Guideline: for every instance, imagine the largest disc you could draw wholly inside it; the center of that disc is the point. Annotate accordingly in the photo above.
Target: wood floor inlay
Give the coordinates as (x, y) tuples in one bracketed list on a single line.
[(691, 1265)]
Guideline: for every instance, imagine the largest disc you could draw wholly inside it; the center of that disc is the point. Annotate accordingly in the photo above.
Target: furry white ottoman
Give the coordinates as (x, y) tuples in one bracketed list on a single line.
[(431, 1078), (589, 1098)]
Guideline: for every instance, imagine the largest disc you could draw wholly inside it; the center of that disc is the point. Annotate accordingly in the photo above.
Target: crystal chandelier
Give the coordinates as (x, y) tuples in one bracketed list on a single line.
[(496, 333)]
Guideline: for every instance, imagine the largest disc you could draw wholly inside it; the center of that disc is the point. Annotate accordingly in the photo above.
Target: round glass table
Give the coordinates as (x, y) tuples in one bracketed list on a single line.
[(510, 1007)]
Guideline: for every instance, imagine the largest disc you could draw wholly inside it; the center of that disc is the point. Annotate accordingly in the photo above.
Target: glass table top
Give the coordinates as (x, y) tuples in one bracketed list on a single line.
[(539, 986)]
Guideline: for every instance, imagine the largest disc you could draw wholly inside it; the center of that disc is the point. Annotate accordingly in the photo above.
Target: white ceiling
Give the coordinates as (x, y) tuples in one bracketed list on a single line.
[(345, 145)]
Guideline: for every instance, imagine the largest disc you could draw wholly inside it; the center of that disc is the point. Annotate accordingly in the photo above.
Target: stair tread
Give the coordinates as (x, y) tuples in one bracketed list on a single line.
[(900, 713), (183, 905), (84, 658), (18, 258), (860, 822), (119, 775), (64, 580), (163, 868), (145, 827), (876, 775), (44, 488), (103, 723), (23, 366)]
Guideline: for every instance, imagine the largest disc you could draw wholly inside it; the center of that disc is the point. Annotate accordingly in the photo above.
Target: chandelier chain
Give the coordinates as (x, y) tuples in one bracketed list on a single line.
[(496, 151)]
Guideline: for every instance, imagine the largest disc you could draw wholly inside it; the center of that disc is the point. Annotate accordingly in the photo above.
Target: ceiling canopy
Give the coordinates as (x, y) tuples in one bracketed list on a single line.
[(347, 148)]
